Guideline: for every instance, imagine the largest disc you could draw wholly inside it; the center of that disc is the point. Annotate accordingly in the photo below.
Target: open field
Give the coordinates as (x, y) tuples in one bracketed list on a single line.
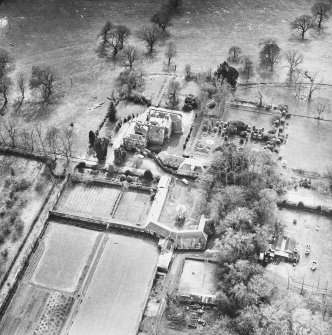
[(198, 277), (129, 207), (115, 299), (181, 194), (64, 35), (309, 144), (60, 267), (315, 230)]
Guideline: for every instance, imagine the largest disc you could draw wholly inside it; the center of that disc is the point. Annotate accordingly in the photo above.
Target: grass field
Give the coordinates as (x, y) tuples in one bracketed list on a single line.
[(64, 35), (309, 144), (115, 299), (305, 232), (198, 277), (66, 254)]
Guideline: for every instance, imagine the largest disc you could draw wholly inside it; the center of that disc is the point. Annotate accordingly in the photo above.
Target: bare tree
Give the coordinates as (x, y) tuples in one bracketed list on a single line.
[(170, 52), (52, 138), (5, 86), (322, 107), (247, 70), (27, 139), (130, 54), (21, 82), (234, 54), (298, 84), (302, 24), (269, 54), (41, 137), (45, 81), (320, 12), (173, 92), (314, 83), (104, 32), (151, 36), (123, 33), (66, 143), (162, 18), (294, 59), (11, 128), (6, 62)]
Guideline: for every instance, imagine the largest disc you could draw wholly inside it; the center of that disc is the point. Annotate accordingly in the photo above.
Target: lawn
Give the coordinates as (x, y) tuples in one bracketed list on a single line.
[(65, 255), (116, 296), (186, 195)]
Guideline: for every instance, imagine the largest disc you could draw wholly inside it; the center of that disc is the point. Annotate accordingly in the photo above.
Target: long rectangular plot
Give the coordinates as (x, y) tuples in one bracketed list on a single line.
[(116, 296), (67, 251), (91, 200)]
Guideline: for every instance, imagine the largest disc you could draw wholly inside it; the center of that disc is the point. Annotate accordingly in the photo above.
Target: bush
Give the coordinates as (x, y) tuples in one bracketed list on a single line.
[(123, 177), (300, 204), (127, 173), (129, 179), (148, 175), (20, 185), (205, 128)]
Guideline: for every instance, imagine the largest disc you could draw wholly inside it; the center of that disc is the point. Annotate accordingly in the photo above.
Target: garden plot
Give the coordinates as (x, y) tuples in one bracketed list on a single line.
[(45, 294), (90, 200), (60, 267), (134, 206), (309, 144), (313, 229), (257, 118), (115, 299), (187, 195), (198, 277)]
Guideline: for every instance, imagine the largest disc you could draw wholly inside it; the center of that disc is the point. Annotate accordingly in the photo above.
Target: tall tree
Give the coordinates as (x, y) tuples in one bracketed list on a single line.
[(130, 54), (6, 62), (21, 82), (112, 112), (302, 24), (45, 81), (247, 70), (234, 53), (294, 59), (105, 31), (162, 19), (320, 11), (151, 36), (314, 83), (269, 54), (123, 33), (170, 52), (5, 86)]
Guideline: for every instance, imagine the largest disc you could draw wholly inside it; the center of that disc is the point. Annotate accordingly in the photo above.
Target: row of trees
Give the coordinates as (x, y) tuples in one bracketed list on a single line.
[(115, 37), (303, 82), (49, 142), (242, 187), (43, 82)]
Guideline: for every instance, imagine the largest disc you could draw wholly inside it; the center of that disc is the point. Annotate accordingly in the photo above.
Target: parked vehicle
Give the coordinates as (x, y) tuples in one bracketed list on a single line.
[(314, 265), (307, 249)]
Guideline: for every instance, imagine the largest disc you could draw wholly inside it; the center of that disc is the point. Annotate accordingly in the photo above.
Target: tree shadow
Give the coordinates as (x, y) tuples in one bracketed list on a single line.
[(35, 110), (150, 58), (296, 38)]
